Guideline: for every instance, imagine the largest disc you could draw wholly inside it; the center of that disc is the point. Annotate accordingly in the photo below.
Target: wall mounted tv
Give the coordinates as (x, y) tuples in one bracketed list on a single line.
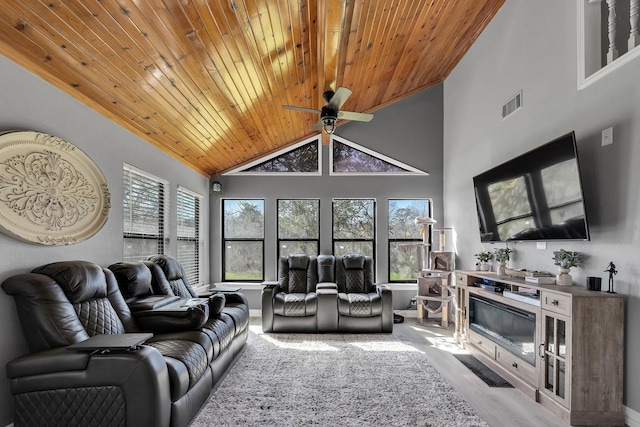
[(535, 196)]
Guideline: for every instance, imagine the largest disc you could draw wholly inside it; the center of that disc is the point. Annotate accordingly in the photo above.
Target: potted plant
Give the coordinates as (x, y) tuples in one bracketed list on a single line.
[(565, 260), (502, 256), (484, 257)]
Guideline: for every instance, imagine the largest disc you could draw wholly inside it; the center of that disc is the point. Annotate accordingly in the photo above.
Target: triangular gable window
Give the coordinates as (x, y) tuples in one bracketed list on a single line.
[(347, 157), (302, 158)]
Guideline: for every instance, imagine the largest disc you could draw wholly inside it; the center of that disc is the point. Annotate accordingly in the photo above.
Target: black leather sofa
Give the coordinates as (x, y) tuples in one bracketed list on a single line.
[(326, 294), (162, 382)]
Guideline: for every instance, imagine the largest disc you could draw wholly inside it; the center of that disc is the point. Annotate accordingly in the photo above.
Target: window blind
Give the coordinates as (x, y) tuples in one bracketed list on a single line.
[(145, 205), (188, 238)]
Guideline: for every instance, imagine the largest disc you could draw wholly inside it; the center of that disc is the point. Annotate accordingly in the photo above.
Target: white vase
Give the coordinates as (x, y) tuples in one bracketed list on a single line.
[(485, 267), (502, 269), (564, 278)]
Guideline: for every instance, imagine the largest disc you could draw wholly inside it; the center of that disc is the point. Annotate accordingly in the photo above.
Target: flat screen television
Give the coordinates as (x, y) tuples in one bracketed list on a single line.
[(535, 196)]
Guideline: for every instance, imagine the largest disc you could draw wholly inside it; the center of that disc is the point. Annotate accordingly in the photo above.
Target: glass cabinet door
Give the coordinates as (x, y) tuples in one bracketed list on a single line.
[(554, 356)]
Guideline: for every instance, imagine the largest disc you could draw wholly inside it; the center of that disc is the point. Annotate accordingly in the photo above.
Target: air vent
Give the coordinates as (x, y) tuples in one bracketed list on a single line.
[(512, 105)]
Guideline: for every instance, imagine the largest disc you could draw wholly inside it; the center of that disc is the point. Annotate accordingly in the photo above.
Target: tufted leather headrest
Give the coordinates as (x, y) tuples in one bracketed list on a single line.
[(353, 261), (298, 261), (170, 266), (134, 278), (80, 280)]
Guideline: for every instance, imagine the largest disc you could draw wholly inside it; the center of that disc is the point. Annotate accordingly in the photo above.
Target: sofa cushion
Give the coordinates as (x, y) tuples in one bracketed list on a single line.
[(216, 304), (134, 279), (353, 261), (295, 304), (359, 304), (298, 261)]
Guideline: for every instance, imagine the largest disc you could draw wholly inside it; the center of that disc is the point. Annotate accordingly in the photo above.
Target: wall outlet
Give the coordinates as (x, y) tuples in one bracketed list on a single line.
[(541, 245), (607, 136)]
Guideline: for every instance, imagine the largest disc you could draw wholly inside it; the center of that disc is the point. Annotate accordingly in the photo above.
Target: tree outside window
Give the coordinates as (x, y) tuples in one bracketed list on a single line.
[(298, 226), (405, 237), (243, 237), (354, 226)]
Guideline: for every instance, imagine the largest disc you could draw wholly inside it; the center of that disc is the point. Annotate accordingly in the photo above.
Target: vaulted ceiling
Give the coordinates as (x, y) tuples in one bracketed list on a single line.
[(205, 80)]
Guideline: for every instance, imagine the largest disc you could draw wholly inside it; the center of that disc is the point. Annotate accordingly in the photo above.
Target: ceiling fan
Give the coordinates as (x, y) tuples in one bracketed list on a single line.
[(330, 113)]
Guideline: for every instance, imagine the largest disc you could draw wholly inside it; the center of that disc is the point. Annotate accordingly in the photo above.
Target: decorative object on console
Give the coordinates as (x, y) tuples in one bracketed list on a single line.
[(502, 256), (51, 193), (594, 283), (484, 257), (565, 260), (611, 269)]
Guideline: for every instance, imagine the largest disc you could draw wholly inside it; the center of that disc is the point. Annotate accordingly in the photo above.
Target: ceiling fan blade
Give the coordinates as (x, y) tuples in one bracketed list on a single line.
[(340, 97), (359, 117), (318, 125), (306, 110)]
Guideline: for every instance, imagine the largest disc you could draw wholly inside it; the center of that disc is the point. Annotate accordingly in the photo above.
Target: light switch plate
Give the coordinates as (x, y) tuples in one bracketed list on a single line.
[(541, 245), (607, 136)]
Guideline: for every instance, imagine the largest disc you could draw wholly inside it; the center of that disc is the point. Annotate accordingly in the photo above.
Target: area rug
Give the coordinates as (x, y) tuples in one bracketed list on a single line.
[(334, 380), (482, 371)]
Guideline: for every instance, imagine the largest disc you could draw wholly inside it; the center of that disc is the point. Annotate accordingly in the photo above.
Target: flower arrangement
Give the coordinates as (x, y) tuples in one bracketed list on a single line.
[(566, 259), (484, 256), (502, 254)]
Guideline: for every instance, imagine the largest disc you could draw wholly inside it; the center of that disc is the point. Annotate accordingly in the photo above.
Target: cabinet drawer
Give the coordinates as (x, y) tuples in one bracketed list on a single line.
[(557, 303), (516, 366), (461, 279), (483, 343)]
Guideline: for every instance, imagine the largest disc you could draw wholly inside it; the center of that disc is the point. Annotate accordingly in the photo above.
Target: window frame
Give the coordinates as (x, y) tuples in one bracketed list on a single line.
[(417, 241), (161, 238), (225, 239), (280, 239), (334, 240)]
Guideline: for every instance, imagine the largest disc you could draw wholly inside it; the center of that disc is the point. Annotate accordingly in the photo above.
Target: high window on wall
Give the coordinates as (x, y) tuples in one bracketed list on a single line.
[(298, 226), (303, 158), (243, 239), (405, 237), (145, 206), (189, 240), (354, 226), (608, 37)]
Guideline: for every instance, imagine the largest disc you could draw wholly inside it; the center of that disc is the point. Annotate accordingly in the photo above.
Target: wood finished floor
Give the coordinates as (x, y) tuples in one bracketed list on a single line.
[(499, 407)]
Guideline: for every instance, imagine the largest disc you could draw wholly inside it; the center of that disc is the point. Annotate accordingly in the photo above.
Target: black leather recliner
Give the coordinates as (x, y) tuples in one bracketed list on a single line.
[(326, 294), (291, 304), (143, 284), (363, 306), (162, 383)]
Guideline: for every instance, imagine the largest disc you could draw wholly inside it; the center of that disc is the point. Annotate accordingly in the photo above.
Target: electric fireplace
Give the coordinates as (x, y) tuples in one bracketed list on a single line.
[(514, 329)]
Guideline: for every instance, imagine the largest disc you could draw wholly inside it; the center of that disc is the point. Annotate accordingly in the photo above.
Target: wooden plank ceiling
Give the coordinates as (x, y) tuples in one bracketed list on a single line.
[(204, 80)]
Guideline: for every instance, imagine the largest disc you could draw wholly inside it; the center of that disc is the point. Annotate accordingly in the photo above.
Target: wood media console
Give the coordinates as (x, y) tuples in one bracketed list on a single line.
[(560, 345)]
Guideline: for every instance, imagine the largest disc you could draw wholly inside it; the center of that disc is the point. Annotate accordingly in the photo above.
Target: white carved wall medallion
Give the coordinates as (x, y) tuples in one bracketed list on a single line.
[(51, 193)]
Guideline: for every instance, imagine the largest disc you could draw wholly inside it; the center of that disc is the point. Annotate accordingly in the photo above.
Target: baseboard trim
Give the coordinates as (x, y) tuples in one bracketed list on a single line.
[(631, 417)]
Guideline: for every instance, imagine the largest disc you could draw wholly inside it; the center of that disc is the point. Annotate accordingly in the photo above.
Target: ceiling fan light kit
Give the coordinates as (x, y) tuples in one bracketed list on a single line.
[(330, 113)]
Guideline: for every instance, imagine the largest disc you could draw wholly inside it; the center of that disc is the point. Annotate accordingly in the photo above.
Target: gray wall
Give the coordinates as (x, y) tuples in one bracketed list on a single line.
[(28, 103), (409, 131), (531, 46)]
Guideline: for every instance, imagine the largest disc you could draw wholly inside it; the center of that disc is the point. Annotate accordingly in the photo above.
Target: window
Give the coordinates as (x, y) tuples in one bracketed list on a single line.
[(298, 227), (303, 158), (354, 226), (145, 204), (189, 241), (405, 237), (243, 240), (347, 157)]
